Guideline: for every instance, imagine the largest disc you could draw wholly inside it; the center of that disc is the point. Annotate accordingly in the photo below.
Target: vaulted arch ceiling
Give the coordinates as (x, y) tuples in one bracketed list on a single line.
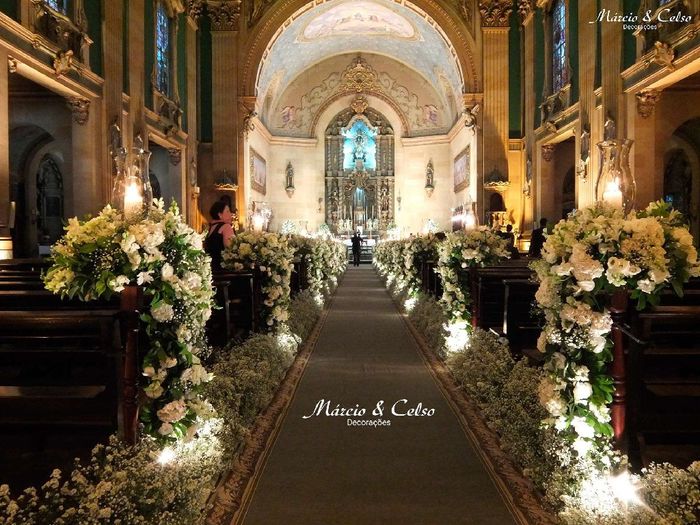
[(397, 31)]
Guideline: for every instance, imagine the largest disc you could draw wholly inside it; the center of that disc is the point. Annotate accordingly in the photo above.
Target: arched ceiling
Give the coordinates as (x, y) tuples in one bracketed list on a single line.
[(396, 30)]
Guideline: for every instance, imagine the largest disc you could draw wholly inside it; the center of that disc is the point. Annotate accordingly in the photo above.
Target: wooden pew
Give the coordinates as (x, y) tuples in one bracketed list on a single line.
[(68, 379), (661, 347), (487, 291), (431, 282), (237, 312), (521, 326)]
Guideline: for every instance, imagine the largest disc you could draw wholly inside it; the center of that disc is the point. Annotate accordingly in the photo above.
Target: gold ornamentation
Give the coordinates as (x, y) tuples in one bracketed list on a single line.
[(195, 8), (646, 100), (359, 77), (663, 55), (175, 156), (63, 63), (495, 13), (80, 108), (225, 16), (548, 152), (248, 124), (12, 64), (359, 104), (467, 10)]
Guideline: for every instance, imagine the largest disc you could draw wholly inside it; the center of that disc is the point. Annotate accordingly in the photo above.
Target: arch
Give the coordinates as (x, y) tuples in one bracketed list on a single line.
[(447, 22), (681, 172)]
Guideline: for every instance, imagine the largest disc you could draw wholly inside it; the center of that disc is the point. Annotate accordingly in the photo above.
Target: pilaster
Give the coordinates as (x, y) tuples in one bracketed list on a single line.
[(495, 24), (194, 11), (4, 147), (226, 146), (611, 39), (137, 71)]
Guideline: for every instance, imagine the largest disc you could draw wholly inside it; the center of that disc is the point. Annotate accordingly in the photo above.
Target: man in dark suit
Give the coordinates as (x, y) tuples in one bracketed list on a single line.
[(356, 248), (537, 239)]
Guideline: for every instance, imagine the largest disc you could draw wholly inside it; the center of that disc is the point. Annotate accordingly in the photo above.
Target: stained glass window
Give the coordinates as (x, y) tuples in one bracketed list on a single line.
[(163, 52), (57, 5), (560, 75), (360, 147)]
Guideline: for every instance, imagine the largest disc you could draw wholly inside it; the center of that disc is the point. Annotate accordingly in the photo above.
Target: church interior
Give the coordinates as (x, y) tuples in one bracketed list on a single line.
[(349, 261)]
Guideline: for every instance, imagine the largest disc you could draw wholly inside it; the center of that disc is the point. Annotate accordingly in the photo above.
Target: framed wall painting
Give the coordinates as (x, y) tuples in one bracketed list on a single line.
[(258, 172), (461, 170)]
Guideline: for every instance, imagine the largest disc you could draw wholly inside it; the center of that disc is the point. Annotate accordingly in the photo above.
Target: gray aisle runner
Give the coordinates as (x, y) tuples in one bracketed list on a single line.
[(418, 470)]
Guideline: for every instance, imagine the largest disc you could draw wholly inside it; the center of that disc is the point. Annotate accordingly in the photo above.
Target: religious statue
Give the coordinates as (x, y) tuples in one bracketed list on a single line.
[(289, 176), (609, 128), (359, 154)]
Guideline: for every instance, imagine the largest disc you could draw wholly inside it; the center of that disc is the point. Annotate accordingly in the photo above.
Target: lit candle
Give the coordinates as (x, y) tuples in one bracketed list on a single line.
[(469, 220), (612, 194), (133, 200), (258, 222)]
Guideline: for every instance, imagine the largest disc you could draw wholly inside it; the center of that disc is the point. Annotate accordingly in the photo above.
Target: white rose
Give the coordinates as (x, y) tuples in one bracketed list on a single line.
[(582, 391), (162, 313), (583, 428), (167, 272), (165, 429)]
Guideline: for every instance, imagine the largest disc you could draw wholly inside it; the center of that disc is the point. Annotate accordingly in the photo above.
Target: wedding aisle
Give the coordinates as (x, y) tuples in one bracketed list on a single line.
[(409, 469)]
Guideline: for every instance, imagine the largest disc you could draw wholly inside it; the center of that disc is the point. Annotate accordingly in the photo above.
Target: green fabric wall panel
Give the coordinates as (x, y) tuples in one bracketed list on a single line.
[(539, 63), (10, 8), (205, 84), (93, 13), (515, 83), (182, 66)]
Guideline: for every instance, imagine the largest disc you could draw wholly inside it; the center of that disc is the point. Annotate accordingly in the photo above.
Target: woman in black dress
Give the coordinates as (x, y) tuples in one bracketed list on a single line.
[(220, 233)]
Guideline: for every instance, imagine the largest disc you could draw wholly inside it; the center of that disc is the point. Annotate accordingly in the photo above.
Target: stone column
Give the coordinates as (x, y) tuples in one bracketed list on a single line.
[(246, 116), (225, 19), (194, 216), (4, 151), (137, 72), (112, 106), (495, 16)]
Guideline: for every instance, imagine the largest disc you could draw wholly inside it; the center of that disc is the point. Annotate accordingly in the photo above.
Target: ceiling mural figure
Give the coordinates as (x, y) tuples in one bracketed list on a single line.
[(359, 18)]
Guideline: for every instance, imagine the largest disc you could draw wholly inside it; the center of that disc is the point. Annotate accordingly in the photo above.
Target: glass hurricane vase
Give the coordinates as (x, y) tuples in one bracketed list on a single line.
[(616, 184)]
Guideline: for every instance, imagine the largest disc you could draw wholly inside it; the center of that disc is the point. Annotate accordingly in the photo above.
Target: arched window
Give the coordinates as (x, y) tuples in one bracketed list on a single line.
[(163, 49), (560, 73), (57, 5)]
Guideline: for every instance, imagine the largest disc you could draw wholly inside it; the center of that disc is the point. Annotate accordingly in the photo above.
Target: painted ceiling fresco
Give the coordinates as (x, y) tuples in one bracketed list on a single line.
[(359, 18), (391, 28)]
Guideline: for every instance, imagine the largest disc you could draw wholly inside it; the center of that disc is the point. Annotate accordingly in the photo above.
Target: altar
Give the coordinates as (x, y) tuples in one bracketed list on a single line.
[(359, 171)]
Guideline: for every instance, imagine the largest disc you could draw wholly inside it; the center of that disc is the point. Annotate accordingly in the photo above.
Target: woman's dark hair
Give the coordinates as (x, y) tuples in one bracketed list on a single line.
[(217, 209)]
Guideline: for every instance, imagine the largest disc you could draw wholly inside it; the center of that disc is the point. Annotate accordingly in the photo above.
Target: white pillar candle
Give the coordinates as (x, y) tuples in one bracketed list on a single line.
[(612, 194), (133, 200)]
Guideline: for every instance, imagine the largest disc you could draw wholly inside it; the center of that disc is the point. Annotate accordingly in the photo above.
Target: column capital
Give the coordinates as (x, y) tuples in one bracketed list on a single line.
[(495, 13), (80, 108), (225, 15), (548, 152), (646, 101)]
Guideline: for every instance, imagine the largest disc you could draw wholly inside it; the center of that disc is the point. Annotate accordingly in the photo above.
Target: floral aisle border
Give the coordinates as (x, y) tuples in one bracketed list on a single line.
[(517, 491), (237, 486)]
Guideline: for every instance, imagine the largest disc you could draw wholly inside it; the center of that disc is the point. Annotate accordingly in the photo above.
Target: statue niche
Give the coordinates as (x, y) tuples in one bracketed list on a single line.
[(359, 172)]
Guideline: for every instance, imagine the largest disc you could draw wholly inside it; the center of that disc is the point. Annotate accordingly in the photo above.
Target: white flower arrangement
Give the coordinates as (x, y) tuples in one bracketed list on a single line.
[(99, 257), (272, 256), (596, 251), (459, 251)]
